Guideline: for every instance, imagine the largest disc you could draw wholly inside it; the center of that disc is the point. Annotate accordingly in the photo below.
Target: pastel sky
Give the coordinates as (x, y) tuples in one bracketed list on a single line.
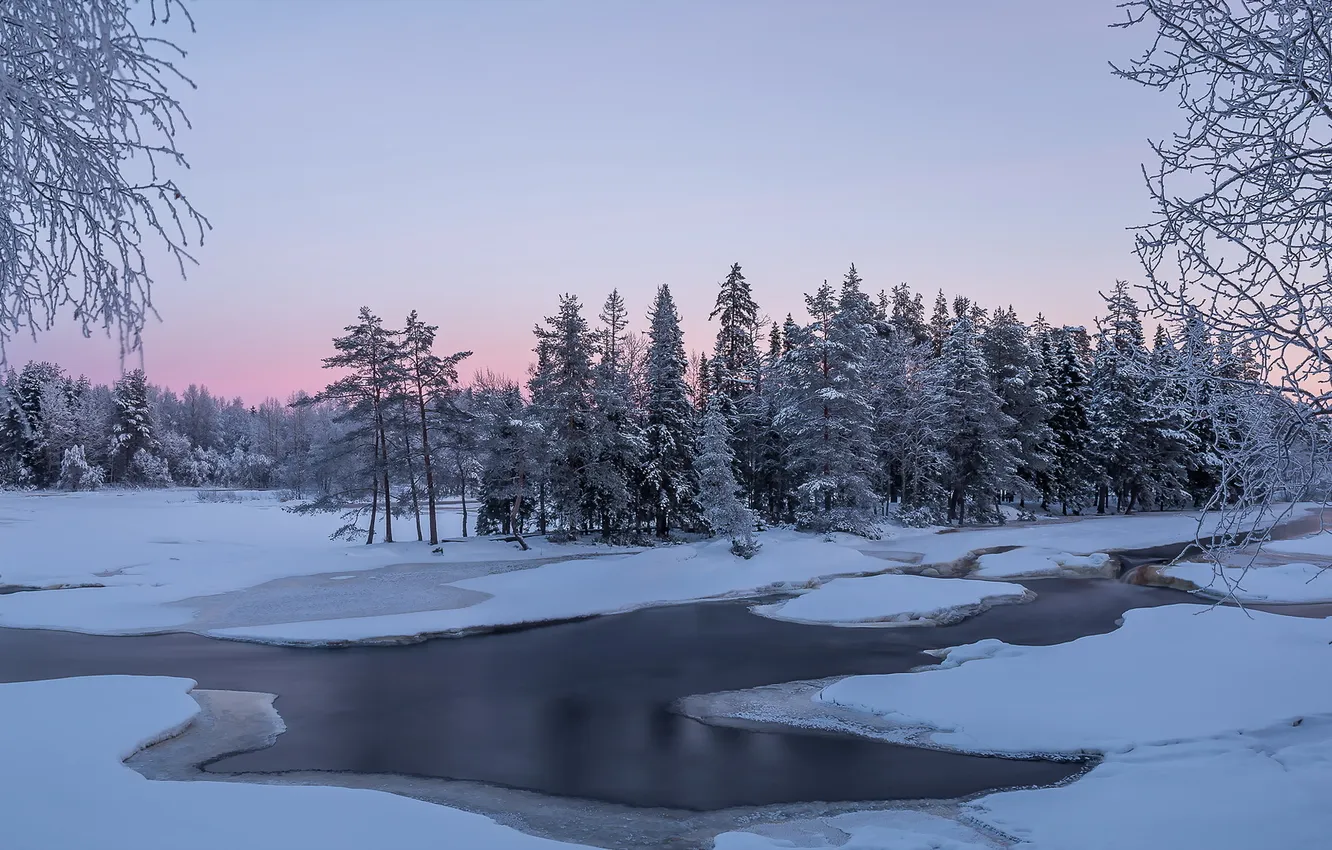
[(472, 159)]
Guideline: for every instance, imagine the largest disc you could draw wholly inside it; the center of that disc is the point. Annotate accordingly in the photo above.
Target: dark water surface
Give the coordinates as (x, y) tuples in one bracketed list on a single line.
[(584, 709)]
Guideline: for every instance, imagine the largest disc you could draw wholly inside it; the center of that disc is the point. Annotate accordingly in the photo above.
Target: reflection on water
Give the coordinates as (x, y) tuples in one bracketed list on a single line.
[(583, 709)]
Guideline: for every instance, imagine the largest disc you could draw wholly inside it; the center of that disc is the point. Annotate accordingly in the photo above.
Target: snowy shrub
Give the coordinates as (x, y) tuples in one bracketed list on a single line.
[(179, 458), (922, 517), (217, 496), (76, 473), (843, 518), (148, 470)]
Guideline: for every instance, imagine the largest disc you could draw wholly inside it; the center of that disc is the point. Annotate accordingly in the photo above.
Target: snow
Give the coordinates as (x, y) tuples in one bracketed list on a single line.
[(1316, 544), (1294, 582), (64, 785), (891, 830), (166, 561), (888, 600), (146, 550), (1216, 725), (1237, 793), (1172, 673), (1028, 561), (664, 575)]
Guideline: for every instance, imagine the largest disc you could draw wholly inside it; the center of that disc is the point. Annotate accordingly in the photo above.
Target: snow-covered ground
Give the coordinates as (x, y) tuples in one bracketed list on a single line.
[(892, 830), (163, 560), (1029, 561), (127, 559), (64, 786), (893, 600), (1294, 582), (1216, 724), (661, 576)]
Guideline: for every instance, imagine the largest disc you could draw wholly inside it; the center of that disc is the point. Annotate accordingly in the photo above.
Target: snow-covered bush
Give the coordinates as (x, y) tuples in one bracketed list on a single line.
[(922, 517), (179, 458), (718, 499), (76, 473), (148, 470)]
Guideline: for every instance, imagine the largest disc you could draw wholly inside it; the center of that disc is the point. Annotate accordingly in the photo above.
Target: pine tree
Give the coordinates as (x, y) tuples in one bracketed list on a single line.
[(718, 497), (369, 355), (514, 446), (669, 479), (735, 376), (981, 458), (623, 444), (132, 429), (826, 412), (581, 482), (1071, 474), (1017, 370), (1118, 415), (428, 379), (940, 323), (908, 315), (1172, 447)]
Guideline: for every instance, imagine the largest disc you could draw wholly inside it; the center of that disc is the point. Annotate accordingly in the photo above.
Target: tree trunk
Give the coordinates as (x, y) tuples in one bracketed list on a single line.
[(516, 508), (374, 495), (429, 469), (388, 499), (462, 485), (411, 472)]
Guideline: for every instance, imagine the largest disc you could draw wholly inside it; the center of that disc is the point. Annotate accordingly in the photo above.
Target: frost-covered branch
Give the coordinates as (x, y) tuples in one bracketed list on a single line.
[(88, 155)]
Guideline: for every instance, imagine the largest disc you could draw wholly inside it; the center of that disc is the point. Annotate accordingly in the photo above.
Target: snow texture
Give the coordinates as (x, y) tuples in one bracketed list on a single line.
[(1025, 561), (1278, 583), (662, 576), (892, 600), (126, 558), (63, 742), (892, 830), (1174, 673)]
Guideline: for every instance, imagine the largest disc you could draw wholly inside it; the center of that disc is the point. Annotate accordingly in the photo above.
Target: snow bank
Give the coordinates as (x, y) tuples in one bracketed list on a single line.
[(1237, 793), (890, 830), (65, 786), (1173, 673), (1316, 544), (568, 590), (892, 600), (1027, 561), (1279, 583), (142, 551)]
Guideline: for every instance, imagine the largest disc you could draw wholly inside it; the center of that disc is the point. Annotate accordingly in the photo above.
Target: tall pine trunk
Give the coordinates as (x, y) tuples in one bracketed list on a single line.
[(374, 493), (388, 499), (429, 469), (411, 470), (462, 486)]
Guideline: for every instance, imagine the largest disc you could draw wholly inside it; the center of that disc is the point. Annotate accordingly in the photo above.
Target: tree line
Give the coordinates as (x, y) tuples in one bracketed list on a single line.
[(871, 404)]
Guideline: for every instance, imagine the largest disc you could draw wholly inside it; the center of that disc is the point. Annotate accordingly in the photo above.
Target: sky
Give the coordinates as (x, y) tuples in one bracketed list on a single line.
[(474, 159)]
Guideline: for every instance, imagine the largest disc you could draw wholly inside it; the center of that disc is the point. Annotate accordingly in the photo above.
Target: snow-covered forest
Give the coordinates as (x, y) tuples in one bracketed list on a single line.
[(946, 412)]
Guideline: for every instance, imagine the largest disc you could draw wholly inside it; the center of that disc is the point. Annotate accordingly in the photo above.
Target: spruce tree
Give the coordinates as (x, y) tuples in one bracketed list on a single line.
[(132, 428), (584, 485), (940, 323), (623, 443), (1017, 371), (1118, 414), (718, 499), (827, 415), (669, 480), (982, 459), (1071, 474), (735, 373)]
